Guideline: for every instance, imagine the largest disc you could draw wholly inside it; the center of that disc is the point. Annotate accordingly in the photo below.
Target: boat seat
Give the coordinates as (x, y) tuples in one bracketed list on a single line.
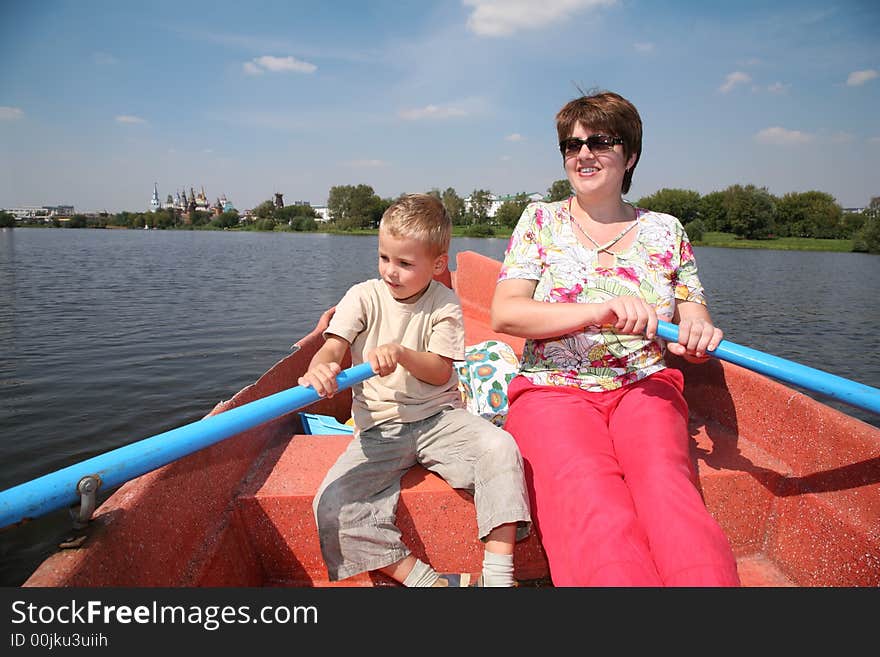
[(437, 522)]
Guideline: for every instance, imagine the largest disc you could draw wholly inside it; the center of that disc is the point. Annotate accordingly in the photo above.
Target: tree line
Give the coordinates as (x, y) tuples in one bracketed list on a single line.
[(754, 213), (746, 211), (265, 217)]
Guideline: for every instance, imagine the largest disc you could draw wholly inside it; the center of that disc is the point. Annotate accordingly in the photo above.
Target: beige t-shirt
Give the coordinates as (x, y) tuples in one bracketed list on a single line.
[(367, 317)]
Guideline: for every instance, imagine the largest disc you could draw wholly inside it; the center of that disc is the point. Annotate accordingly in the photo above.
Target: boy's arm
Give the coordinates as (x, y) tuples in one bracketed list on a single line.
[(424, 365), (325, 365)]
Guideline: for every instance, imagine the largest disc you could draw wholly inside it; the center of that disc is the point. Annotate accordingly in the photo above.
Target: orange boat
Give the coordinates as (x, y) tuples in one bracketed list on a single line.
[(794, 483)]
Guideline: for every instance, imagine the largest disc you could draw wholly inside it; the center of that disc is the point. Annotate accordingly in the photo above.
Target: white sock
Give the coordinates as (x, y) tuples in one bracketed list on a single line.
[(421, 575), (497, 569)]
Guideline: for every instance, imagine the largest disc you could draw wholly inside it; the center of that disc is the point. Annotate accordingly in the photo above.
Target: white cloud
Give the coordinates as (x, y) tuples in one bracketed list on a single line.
[(268, 63), (10, 113), (500, 18), (874, 140), (431, 112), (514, 137), (842, 138), (733, 79), (129, 118), (782, 136), (857, 78), (371, 164), (644, 47), (104, 59), (778, 88)]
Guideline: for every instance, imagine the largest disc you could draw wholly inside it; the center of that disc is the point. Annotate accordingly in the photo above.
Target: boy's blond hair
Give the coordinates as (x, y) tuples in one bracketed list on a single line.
[(422, 217)]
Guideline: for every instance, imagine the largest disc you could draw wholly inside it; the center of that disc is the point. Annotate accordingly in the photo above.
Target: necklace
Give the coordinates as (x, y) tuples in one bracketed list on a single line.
[(601, 247)]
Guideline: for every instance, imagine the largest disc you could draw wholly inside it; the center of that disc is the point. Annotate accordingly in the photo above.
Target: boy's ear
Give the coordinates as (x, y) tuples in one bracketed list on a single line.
[(440, 263)]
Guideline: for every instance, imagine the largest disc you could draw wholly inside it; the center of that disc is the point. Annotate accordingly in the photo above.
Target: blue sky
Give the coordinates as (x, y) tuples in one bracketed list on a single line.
[(99, 100)]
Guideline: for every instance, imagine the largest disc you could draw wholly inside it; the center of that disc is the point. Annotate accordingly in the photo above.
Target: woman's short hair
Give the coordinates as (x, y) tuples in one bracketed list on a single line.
[(605, 112)]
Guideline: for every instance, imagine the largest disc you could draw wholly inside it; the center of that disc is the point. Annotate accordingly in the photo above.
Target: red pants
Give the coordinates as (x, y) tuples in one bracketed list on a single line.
[(613, 488)]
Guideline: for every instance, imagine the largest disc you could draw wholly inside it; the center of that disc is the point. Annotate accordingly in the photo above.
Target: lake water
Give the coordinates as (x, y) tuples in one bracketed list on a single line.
[(112, 336)]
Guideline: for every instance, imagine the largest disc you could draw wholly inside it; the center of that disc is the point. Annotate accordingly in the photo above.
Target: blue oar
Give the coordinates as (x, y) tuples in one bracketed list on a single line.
[(850, 392), (59, 489)]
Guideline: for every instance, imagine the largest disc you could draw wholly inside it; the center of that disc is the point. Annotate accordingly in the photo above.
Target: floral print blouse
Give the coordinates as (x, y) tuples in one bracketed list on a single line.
[(659, 267)]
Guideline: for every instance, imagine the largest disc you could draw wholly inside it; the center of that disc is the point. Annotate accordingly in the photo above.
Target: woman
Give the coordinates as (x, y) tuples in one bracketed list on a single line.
[(600, 420)]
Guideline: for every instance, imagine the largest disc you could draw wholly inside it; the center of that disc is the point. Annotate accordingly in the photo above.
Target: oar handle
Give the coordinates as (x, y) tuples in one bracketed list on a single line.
[(59, 489), (850, 392)]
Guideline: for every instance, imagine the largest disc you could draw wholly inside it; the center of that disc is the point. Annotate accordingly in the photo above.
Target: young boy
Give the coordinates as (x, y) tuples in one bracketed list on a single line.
[(409, 328)]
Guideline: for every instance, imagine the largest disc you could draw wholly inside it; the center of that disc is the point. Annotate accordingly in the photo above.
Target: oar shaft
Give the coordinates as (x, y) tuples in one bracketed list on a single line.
[(58, 489), (851, 392)]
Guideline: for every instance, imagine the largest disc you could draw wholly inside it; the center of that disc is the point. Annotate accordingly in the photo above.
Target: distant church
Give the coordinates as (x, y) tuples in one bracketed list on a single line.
[(188, 204)]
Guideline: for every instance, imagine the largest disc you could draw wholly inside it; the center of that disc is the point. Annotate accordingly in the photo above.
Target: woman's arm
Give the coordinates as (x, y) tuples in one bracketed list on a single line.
[(515, 312)]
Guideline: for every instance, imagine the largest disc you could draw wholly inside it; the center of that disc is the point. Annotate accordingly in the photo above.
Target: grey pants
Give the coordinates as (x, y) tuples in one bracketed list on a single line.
[(356, 505)]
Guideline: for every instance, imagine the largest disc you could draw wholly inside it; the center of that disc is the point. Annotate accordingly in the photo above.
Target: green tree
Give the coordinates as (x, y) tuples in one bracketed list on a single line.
[(454, 205), (355, 206), (852, 223), (559, 190), (267, 224), (303, 224), (478, 206), (265, 210), (510, 211), (713, 212), (809, 214), (867, 240), (695, 230), (293, 215), (7, 220), (750, 210), (77, 221), (200, 218), (684, 204), (228, 219), (122, 219), (164, 219)]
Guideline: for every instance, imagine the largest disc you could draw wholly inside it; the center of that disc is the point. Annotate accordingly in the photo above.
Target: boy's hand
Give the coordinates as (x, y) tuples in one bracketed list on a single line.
[(695, 338), (385, 358), (322, 377)]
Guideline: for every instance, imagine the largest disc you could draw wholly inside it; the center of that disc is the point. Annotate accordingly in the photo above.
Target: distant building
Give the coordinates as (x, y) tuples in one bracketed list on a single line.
[(43, 212), (322, 213), (154, 202), (188, 203)]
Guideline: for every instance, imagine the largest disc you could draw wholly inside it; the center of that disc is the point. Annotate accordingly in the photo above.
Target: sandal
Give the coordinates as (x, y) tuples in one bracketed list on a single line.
[(460, 580)]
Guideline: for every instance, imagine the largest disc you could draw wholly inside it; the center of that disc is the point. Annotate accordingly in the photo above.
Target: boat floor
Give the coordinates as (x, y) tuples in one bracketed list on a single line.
[(785, 530), (739, 481)]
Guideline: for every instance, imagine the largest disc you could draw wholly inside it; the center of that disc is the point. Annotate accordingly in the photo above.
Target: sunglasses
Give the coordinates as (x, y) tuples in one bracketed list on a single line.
[(596, 144)]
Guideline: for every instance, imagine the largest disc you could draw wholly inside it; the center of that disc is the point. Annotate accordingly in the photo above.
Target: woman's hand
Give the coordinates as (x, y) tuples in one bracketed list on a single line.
[(630, 315), (695, 338)]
